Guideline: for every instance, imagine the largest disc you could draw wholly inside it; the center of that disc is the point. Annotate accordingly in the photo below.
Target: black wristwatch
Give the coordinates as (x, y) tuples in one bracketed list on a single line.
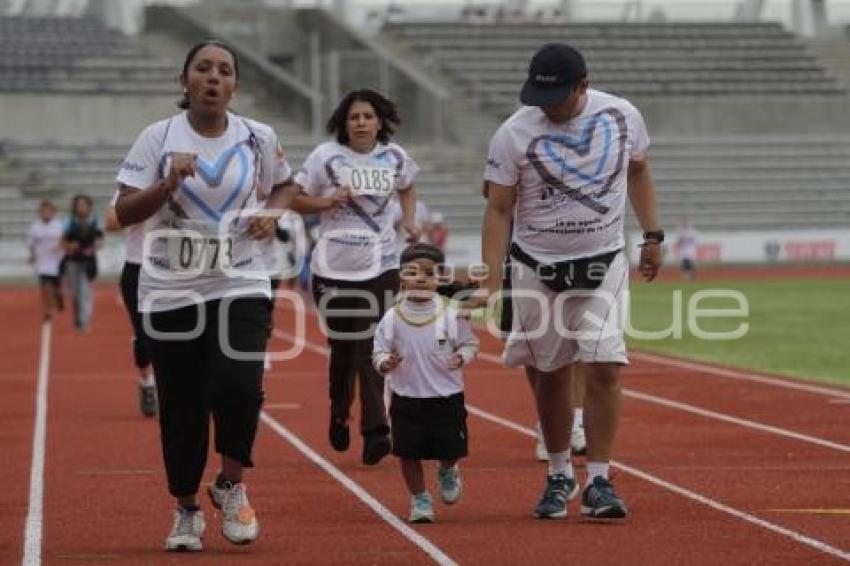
[(654, 235)]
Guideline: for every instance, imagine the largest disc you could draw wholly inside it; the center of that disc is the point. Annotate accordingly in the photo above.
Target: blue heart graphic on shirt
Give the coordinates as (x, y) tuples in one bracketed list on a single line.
[(213, 175), (544, 151)]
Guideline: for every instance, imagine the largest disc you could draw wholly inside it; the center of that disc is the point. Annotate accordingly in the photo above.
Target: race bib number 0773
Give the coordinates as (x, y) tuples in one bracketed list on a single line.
[(200, 254)]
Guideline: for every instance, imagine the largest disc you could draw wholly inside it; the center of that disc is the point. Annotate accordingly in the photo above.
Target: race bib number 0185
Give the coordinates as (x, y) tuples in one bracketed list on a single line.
[(198, 254), (378, 181)]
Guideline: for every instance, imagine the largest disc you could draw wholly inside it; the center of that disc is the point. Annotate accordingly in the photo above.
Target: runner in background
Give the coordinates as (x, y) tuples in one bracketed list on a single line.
[(44, 241), (686, 246), (129, 285), (82, 238)]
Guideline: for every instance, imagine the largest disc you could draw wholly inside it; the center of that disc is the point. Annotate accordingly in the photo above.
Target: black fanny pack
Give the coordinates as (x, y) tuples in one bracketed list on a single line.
[(584, 273)]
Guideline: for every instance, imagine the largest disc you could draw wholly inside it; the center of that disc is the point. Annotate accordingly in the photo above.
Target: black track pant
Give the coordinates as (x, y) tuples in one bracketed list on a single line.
[(197, 377), (130, 294), (351, 355)]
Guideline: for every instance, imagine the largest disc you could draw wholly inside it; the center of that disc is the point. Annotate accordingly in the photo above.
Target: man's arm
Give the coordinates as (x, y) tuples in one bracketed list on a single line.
[(642, 196), (496, 231)]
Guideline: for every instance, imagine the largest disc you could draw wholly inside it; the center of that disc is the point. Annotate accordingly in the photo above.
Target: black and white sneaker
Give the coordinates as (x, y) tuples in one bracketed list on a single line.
[(599, 501), (560, 490)]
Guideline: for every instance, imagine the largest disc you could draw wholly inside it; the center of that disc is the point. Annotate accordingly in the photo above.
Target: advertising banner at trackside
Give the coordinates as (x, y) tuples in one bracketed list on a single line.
[(759, 247)]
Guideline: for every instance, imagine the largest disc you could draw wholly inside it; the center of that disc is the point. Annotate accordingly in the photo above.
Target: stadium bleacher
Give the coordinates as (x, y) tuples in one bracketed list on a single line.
[(76, 55), (721, 182), (488, 61)]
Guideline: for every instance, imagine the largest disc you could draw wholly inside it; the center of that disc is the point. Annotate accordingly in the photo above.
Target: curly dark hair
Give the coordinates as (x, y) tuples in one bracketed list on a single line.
[(385, 109)]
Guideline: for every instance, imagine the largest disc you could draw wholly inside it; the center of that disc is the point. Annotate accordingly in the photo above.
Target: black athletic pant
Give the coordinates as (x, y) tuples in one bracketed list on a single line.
[(351, 358), (130, 294), (196, 378)]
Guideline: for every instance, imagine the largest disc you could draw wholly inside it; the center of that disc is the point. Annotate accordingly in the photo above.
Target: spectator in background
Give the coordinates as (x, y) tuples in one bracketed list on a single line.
[(45, 246), (687, 244), (438, 232), (82, 238)]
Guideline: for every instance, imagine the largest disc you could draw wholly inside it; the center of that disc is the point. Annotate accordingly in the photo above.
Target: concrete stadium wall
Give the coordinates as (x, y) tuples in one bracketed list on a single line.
[(91, 116), (702, 116)]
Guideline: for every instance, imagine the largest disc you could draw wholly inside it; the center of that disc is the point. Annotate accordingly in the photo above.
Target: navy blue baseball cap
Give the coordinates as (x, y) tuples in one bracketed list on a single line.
[(554, 71)]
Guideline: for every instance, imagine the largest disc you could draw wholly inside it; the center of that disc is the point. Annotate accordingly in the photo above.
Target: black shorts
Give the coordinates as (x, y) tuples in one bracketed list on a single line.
[(429, 428), (49, 280)]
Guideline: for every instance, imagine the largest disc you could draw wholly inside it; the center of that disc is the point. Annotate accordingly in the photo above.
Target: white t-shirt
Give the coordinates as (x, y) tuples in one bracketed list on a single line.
[(420, 218), (46, 240), (426, 345), (196, 245), (356, 240), (687, 242), (134, 238), (570, 178)]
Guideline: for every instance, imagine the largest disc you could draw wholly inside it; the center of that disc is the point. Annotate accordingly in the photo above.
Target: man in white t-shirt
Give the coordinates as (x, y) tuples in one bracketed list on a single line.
[(45, 245), (560, 168)]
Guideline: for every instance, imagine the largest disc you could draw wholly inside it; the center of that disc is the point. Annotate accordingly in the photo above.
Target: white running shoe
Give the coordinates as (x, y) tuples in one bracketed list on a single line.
[(240, 524), (187, 531), (451, 486), (421, 508), (578, 441)]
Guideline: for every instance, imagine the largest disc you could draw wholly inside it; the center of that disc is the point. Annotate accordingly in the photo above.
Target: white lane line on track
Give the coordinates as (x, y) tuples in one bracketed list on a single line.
[(740, 375), (423, 543), (716, 505), (713, 414), (33, 529), (735, 420)]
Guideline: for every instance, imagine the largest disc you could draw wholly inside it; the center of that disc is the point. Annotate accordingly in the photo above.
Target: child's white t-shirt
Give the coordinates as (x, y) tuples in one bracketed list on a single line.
[(426, 336)]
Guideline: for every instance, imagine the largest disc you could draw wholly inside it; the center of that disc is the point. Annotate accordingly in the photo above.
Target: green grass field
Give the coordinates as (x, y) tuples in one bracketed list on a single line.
[(797, 327)]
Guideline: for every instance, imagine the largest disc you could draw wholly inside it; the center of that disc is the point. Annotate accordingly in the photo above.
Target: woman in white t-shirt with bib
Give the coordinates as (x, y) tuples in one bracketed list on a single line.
[(350, 182), (204, 291)]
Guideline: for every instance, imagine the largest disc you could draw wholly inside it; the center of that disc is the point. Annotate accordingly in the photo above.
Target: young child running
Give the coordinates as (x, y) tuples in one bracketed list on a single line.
[(421, 345)]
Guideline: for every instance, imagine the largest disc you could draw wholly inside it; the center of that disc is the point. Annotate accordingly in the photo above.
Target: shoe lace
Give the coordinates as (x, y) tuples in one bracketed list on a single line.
[(603, 491), (184, 523), (422, 502), (447, 478), (234, 499), (556, 490)]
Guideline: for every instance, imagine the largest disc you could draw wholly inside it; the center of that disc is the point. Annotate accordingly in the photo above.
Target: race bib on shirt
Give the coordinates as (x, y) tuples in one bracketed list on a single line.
[(192, 253), (371, 180)]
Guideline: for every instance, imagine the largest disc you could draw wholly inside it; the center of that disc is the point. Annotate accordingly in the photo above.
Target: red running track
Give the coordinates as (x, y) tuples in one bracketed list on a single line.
[(105, 499)]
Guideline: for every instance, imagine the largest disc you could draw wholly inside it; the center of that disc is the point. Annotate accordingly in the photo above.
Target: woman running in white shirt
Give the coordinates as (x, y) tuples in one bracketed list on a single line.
[(351, 181), (204, 289)]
